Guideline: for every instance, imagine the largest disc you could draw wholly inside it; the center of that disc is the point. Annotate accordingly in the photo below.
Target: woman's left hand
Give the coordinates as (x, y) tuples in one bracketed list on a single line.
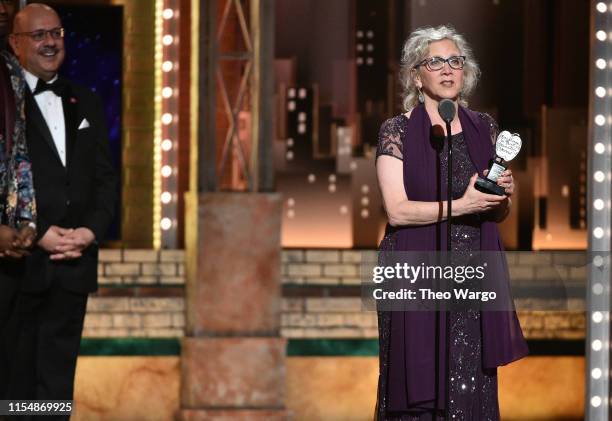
[(505, 180)]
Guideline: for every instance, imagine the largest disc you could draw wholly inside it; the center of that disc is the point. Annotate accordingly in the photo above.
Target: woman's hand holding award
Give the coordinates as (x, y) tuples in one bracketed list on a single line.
[(507, 148)]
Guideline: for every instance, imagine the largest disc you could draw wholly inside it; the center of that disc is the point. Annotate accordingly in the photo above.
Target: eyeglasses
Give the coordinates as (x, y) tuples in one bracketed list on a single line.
[(41, 34), (437, 63)]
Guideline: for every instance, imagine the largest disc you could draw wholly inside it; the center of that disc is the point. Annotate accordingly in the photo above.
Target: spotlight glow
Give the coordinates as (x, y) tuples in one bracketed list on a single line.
[(168, 13), (600, 148), (598, 204), (167, 40), (599, 176), (167, 92)]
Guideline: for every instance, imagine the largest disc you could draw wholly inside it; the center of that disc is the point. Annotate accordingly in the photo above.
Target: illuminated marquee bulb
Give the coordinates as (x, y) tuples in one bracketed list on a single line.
[(166, 118), (166, 171), (166, 145), (166, 197), (167, 66), (168, 13), (166, 224), (167, 39), (167, 92)]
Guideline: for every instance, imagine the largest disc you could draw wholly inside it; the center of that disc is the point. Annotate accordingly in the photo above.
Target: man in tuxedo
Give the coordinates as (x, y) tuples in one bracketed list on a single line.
[(75, 188), (17, 207)]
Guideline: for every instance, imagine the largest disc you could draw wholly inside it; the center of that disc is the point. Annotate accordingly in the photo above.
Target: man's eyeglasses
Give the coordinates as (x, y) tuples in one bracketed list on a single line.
[(437, 63), (41, 34)]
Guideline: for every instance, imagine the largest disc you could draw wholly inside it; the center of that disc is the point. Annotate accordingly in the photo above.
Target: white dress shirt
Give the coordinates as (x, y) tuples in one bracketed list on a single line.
[(53, 112)]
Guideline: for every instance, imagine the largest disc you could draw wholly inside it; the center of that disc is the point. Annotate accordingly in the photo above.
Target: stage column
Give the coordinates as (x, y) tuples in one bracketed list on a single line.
[(232, 356)]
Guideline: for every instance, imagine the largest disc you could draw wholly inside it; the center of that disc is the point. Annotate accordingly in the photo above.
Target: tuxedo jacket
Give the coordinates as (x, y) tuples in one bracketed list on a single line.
[(80, 194)]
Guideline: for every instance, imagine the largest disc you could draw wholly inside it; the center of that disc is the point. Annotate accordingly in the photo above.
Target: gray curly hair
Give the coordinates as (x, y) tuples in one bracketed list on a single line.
[(416, 49)]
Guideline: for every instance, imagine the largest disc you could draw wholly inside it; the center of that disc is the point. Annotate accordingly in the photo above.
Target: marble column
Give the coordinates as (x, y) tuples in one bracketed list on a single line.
[(233, 358)]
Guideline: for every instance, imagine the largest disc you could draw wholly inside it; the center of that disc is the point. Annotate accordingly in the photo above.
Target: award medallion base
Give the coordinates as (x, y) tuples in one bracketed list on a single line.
[(487, 186)]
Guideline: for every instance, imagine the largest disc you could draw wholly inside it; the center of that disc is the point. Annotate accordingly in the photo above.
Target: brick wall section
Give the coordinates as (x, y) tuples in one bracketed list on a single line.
[(302, 317), (141, 267), (137, 122)]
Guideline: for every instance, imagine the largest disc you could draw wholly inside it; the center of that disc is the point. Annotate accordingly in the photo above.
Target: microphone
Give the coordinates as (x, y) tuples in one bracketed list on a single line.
[(447, 110)]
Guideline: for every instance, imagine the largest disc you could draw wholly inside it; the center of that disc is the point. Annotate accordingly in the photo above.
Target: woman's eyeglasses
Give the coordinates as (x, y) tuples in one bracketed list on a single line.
[(437, 63)]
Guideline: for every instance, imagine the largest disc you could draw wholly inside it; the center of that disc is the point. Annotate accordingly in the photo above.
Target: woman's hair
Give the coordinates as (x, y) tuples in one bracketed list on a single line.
[(416, 49)]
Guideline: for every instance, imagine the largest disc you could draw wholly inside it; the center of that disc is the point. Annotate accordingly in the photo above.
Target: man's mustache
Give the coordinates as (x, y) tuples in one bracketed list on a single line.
[(46, 50)]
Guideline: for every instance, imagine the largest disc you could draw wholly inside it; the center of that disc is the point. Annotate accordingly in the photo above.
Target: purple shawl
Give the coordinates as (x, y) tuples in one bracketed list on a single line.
[(414, 339)]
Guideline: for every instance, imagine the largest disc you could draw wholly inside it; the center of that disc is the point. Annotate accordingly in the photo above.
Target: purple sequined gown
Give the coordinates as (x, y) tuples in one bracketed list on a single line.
[(472, 389)]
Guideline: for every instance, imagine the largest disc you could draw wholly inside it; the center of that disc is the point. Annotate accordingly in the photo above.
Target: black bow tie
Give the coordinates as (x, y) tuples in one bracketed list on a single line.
[(58, 87)]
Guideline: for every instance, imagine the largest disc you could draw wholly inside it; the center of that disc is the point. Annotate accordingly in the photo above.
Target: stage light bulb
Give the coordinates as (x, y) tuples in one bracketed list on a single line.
[(289, 155), (311, 178), (365, 201), (290, 214), (598, 260), (166, 224), (168, 13), (291, 202), (600, 63), (600, 120), (332, 188), (332, 178), (599, 176), (167, 66), (597, 316), (596, 373), (166, 197), (166, 118), (601, 7), (365, 213), (290, 142), (598, 204), (167, 92), (166, 171), (343, 210), (600, 91), (600, 148), (365, 189), (601, 35), (598, 232), (597, 289), (596, 345), (167, 40), (595, 401), (166, 145)]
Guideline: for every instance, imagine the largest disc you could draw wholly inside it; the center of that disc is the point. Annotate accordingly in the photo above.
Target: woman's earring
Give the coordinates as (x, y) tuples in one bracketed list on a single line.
[(421, 96)]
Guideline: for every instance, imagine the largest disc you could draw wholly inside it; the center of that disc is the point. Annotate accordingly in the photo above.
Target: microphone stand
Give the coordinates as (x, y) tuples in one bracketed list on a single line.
[(449, 206)]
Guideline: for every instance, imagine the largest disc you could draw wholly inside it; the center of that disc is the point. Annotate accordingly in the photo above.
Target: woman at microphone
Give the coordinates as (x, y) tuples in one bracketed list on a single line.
[(421, 378)]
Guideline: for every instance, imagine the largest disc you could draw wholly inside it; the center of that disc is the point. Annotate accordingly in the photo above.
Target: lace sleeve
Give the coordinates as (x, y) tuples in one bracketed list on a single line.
[(389, 139), (493, 127)]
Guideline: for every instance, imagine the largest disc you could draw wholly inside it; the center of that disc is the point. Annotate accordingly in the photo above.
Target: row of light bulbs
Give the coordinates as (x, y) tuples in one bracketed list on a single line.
[(597, 398), (168, 40)]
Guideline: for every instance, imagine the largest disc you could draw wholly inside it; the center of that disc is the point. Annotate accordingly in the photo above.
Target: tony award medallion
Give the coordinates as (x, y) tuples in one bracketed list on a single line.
[(507, 148)]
